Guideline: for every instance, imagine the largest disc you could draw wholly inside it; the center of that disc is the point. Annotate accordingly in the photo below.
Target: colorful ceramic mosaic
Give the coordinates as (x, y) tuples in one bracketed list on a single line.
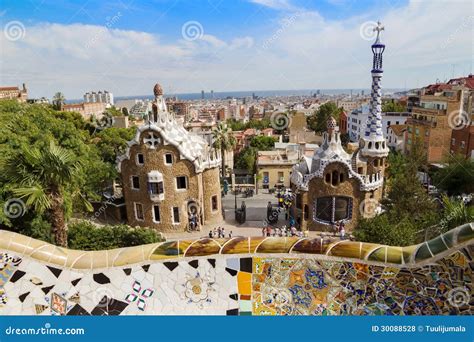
[(38, 280)]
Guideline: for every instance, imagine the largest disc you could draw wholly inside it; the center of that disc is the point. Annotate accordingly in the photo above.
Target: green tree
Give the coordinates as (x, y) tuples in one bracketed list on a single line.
[(246, 159), (456, 177), (384, 230), (318, 120), (112, 142), (223, 140), (58, 100), (113, 111), (263, 143), (45, 178), (33, 126), (392, 106), (401, 223), (86, 236)]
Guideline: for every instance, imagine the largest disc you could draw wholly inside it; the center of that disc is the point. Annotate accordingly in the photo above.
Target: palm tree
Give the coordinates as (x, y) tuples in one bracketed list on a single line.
[(45, 178), (223, 140), (58, 100)]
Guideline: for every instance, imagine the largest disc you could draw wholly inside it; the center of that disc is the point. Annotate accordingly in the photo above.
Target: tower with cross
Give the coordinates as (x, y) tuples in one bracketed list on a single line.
[(373, 144)]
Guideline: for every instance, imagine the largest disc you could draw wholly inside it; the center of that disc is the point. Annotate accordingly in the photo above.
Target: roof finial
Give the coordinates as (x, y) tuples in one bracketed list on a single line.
[(379, 28)]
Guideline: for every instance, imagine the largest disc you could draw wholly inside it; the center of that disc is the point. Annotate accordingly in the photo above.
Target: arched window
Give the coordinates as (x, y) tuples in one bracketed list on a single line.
[(328, 177), (341, 177), (335, 178), (332, 209)]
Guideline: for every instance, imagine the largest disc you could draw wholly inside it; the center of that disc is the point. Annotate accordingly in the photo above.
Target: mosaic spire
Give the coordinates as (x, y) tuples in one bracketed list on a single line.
[(373, 142)]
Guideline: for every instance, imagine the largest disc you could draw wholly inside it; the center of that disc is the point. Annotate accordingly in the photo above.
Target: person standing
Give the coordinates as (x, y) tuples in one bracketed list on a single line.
[(343, 231)]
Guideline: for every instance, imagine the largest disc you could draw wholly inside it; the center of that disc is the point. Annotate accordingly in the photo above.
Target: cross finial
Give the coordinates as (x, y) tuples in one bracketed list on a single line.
[(379, 28)]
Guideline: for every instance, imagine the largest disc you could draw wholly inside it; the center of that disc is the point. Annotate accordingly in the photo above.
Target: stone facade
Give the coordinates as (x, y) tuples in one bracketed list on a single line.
[(444, 110), (169, 173)]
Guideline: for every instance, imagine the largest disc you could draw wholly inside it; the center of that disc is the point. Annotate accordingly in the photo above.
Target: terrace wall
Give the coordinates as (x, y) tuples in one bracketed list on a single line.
[(239, 276)]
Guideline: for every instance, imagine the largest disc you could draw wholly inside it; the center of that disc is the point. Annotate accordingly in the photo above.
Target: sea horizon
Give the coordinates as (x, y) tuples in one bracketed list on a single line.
[(248, 93)]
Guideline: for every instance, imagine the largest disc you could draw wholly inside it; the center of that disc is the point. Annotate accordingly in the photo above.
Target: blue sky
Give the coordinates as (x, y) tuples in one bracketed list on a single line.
[(126, 46), (166, 17)]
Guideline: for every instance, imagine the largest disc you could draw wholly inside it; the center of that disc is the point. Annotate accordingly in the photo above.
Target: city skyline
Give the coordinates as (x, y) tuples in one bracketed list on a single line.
[(263, 45)]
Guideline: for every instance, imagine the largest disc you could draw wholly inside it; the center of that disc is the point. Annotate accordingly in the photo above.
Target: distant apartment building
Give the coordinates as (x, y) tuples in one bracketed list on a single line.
[(435, 121), (179, 108), (298, 131), (348, 105), (357, 121), (100, 96), (87, 110), (343, 122), (274, 167), (14, 93), (396, 137), (462, 141)]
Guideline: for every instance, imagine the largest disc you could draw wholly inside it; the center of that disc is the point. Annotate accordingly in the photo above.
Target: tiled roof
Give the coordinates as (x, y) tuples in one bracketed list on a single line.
[(398, 129)]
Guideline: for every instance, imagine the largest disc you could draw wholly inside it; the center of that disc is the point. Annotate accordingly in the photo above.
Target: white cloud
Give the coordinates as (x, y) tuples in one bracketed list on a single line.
[(302, 50), (275, 4)]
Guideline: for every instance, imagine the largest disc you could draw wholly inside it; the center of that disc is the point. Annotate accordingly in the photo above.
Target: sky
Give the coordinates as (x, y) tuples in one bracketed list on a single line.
[(127, 46)]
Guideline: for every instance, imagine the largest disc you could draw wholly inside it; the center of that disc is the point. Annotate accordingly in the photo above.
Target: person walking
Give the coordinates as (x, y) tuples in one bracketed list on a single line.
[(223, 232), (230, 235)]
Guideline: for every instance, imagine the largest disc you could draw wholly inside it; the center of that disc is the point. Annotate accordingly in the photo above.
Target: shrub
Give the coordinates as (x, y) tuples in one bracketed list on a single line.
[(86, 236)]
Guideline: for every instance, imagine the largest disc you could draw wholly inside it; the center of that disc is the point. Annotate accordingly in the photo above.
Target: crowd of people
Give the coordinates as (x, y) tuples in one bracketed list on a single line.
[(283, 231), (219, 233)]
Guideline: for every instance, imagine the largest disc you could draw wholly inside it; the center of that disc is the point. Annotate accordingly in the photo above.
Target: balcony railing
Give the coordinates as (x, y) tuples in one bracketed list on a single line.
[(428, 111)]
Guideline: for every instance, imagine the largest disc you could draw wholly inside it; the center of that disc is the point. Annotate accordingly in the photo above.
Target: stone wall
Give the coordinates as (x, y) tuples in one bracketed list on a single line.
[(240, 276), (155, 160)]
